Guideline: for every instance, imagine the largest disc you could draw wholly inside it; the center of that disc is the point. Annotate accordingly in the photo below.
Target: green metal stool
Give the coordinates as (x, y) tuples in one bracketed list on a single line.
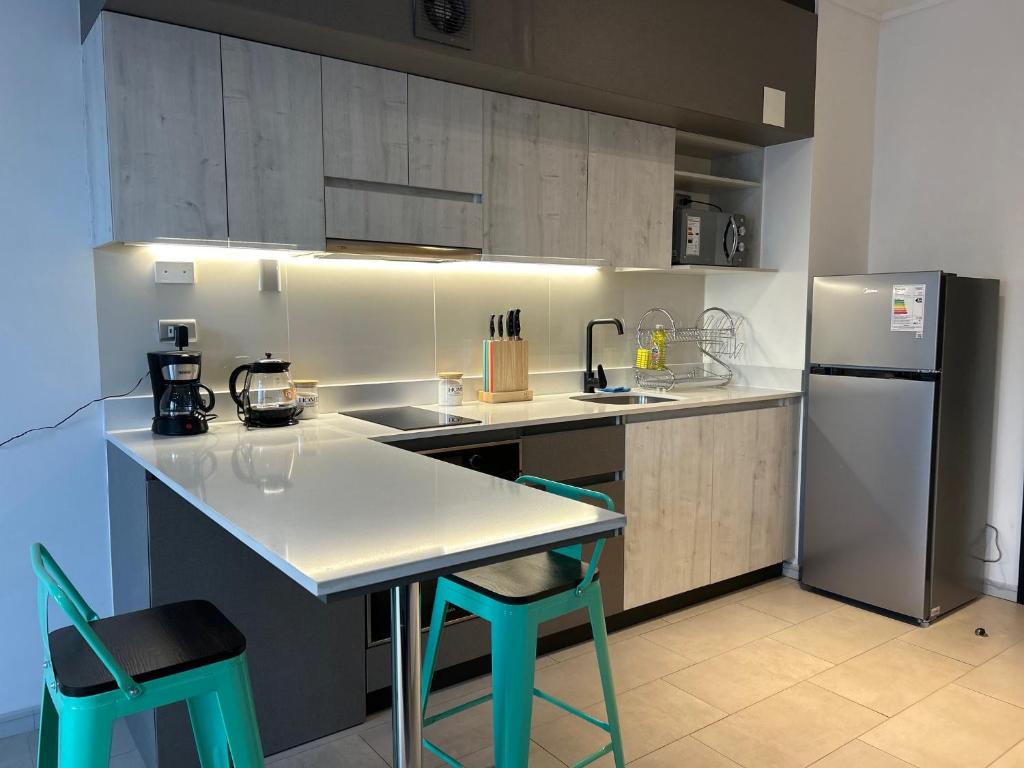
[(515, 597), (98, 670)]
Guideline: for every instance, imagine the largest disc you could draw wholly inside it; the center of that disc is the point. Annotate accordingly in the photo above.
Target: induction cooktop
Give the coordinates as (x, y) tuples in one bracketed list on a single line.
[(408, 418)]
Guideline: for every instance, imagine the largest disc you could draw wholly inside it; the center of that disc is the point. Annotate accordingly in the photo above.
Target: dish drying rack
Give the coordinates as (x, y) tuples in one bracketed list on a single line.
[(714, 334)]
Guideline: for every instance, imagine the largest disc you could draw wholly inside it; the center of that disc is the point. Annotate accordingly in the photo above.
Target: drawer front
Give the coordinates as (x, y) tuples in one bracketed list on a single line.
[(574, 454)]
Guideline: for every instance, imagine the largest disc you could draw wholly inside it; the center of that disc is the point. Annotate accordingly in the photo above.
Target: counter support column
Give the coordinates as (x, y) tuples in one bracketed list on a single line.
[(406, 665)]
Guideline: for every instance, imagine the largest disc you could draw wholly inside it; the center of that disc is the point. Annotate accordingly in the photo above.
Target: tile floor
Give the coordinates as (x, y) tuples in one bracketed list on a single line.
[(766, 677)]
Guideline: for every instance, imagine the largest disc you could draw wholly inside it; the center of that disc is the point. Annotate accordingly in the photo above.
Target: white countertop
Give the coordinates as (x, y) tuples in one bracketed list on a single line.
[(338, 512)]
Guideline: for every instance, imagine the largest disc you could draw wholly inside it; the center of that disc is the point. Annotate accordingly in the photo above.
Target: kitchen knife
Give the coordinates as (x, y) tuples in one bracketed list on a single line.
[(519, 328), (492, 326), (501, 327), (510, 326)]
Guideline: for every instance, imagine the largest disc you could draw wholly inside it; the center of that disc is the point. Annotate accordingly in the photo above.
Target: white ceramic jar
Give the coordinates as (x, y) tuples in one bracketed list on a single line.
[(308, 396), (449, 388)]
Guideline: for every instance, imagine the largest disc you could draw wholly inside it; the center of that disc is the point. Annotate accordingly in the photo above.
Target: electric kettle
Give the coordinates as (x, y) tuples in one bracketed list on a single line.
[(267, 397)]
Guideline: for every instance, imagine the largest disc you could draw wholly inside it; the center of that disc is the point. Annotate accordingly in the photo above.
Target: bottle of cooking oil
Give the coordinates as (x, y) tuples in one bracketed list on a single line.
[(658, 341)]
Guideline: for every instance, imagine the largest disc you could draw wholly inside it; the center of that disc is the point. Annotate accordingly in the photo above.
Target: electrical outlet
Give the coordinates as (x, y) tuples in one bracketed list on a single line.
[(180, 272), (165, 330)]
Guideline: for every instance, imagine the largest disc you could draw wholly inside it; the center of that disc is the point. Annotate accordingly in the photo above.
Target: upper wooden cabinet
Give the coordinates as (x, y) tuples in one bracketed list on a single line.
[(535, 179), (366, 125), (274, 141), (445, 136), (630, 176), (155, 131)]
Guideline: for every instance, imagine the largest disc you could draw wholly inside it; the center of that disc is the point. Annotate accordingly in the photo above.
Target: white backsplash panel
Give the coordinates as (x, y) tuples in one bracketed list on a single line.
[(351, 324)]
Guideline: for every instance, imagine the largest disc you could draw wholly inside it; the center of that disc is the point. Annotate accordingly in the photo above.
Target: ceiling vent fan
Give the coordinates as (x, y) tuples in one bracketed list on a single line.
[(444, 21)]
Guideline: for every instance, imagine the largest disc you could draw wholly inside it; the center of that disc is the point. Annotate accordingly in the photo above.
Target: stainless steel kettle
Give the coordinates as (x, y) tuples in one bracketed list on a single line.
[(267, 397)]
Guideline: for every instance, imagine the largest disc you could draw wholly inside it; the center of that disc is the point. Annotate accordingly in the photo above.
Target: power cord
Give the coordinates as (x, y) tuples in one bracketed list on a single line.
[(75, 412), (999, 551)]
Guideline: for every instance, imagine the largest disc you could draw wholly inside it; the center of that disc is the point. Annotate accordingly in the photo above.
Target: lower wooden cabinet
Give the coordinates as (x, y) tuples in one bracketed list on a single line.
[(709, 498), (668, 495), (753, 493)]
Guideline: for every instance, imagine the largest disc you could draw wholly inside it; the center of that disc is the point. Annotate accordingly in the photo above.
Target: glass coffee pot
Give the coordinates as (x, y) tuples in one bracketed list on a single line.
[(267, 397)]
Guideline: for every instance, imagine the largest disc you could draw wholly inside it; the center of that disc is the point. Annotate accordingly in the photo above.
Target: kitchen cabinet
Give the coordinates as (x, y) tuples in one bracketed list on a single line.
[(273, 127), (669, 468), (710, 497), (630, 175), (535, 178), (366, 126), (754, 490), (155, 131), (445, 136)]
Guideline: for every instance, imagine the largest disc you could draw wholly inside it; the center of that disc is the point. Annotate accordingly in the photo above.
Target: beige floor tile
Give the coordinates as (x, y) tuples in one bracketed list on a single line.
[(857, 754), (891, 677), (1012, 759), (706, 607), (791, 603), (635, 661), (747, 674), (685, 753), (789, 730), (952, 728), (615, 637), (539, 758), (765, 586), (715, 632), (348, 752), (954, 636), (651, 716), (1002, 677), (841, 634)]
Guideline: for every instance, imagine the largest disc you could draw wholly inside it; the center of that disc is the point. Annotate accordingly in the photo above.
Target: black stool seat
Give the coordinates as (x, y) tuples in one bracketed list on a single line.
[(525, 579), (149, 644)]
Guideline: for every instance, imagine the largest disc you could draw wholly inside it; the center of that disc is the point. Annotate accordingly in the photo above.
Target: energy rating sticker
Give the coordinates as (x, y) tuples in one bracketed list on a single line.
[(907, 312)]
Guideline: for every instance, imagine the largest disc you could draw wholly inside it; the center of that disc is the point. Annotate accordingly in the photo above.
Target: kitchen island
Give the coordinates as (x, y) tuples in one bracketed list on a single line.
[(269, 524)]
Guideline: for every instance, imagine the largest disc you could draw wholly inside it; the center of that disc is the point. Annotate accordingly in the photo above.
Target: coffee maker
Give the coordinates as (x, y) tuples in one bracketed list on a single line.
[(178, 404)]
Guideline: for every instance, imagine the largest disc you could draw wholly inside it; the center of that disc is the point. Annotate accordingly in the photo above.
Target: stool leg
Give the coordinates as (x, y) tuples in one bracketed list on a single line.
[(48, 724), (433, 642), (513, 658), (208, 729), (84, 738), (239, 715), (595, 607)]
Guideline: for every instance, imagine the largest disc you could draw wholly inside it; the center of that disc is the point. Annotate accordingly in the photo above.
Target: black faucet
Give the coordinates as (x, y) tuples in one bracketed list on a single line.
[(600, 380)]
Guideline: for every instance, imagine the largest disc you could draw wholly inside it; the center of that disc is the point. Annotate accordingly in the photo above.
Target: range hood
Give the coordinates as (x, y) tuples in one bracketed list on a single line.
[(366, 249)]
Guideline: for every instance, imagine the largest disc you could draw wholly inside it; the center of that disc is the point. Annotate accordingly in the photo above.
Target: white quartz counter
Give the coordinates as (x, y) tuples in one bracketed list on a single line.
[(339, 512)]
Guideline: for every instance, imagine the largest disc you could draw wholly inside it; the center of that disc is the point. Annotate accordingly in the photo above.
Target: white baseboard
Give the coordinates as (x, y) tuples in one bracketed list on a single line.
[(998, 589)]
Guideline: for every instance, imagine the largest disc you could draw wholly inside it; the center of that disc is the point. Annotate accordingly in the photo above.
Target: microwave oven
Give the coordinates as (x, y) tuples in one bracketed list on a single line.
[(708, 237)]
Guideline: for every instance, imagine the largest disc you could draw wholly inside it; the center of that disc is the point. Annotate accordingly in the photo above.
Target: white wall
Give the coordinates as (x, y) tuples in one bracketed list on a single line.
[(844, 122), (54, 483), (947, 192)]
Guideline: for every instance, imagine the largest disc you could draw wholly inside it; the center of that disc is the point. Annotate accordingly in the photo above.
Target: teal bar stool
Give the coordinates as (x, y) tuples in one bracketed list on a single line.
[(98, 670), (515, 597)]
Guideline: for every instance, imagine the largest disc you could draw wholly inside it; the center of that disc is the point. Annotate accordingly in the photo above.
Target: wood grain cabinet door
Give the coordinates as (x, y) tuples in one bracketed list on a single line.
[(445, 136), (754, 490), (366, 124), (668, 503), (535, 179), (631, 173), (156, 131), (273, 125)]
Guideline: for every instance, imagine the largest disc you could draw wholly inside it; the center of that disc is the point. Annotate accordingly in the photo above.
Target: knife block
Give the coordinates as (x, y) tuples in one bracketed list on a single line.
[(506, 371)]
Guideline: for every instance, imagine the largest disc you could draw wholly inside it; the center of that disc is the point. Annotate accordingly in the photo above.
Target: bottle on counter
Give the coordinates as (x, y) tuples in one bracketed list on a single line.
[(307, 392)]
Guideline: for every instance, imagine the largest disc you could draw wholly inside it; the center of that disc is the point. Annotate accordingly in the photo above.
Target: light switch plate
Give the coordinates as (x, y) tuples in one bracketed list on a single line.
[(774, 112), (180, 272), (165, 330)]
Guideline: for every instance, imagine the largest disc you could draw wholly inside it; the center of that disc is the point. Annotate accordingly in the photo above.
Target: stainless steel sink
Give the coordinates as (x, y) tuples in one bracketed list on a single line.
[(625, 399)]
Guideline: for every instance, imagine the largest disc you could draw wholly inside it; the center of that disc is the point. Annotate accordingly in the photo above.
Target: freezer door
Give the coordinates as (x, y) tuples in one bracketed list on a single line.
[(853, 318), (866, 515)]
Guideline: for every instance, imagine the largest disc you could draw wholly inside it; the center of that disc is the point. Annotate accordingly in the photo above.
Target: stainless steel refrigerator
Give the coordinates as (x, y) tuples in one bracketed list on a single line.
[(899, 431)]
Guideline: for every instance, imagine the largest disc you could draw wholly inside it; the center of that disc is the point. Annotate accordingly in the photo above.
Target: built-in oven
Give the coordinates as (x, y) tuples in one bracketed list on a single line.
[(499, 459)]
